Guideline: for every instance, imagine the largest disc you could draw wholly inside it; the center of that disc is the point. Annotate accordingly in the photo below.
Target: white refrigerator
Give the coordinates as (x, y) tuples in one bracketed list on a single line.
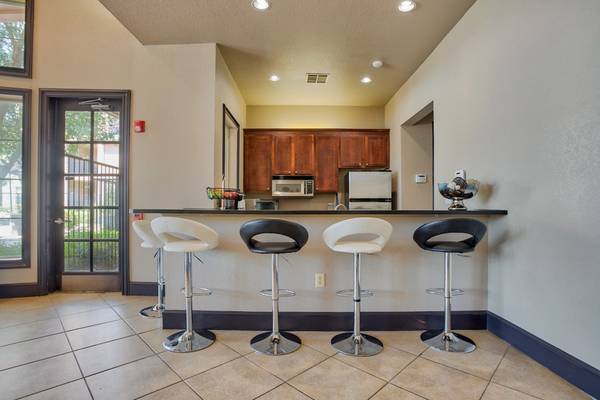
[(368, 190)]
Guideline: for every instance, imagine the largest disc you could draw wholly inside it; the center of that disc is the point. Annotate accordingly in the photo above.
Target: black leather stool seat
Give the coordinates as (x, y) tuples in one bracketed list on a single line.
[(292, 230), (472, 227)]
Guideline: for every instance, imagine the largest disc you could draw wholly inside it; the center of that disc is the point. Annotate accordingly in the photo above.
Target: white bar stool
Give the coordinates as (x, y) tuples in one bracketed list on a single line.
[(185, 236), (357, 236), (151, 241)]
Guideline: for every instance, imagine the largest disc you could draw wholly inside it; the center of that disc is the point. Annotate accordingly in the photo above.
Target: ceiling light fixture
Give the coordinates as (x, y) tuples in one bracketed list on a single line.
[(274, 78), (407, 6), (260, 5), (377, 63), (366, 79)]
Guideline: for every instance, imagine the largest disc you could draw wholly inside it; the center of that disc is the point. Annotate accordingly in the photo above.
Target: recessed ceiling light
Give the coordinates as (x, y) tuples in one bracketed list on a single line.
[(366, 79), (260, 4), (407, 6), (274, 78), (377, 63)]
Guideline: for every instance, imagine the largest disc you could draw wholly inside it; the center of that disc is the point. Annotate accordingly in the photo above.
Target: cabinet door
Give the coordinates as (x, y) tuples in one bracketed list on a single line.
[(283, 163), (304, 154), (257, 163), (378, 151), (327, 148), (352, 149)]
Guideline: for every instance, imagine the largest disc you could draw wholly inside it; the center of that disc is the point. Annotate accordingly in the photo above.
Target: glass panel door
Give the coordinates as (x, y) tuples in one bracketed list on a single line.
[(91, 177)]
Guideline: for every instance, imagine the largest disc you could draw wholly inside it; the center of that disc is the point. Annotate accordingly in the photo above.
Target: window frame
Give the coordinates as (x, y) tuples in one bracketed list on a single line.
[(25, 261), (26, 71)]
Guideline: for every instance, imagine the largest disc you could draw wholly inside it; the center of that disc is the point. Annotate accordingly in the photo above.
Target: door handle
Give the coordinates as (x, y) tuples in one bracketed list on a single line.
[(60, 221)]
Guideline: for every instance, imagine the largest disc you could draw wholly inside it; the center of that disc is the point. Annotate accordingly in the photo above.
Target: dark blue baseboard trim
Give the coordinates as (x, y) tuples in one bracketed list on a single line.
[(324, 321), (19, 290), (580, 374), (142, 289)]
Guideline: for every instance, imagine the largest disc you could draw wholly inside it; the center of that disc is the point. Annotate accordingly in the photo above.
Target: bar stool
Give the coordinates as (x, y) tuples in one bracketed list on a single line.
[(275, 342), (185, 236), (445, 339), (357, 236), (151, 241)]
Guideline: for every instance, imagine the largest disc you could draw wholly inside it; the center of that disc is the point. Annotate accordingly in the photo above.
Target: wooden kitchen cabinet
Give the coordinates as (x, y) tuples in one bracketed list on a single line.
[(257, 162), (316, 152), (327, 149), (352, 150), (304, 154), (283, 157), (293, 154), (364, 150), (377, 151)]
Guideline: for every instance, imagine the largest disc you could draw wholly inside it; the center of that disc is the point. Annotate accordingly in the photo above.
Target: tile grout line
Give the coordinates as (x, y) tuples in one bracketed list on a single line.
[(494, 373), (76, 360), (402, 370)]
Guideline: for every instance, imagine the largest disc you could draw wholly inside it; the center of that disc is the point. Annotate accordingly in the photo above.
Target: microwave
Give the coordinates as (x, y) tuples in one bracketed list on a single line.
[(293, 186)]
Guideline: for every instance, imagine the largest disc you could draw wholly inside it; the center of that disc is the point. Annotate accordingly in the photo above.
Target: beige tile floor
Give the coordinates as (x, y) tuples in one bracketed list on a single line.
[(71, 346)]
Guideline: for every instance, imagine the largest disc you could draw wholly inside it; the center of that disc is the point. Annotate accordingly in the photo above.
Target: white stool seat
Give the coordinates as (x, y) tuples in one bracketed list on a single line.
[(357, 247), (340, 237), (144, 230), (184, 236), (188, 246)]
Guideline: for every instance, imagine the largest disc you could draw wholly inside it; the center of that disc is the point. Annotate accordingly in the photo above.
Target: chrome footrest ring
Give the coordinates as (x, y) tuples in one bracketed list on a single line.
[(440, 291), (350, 293), (198, 291), (282, 293)]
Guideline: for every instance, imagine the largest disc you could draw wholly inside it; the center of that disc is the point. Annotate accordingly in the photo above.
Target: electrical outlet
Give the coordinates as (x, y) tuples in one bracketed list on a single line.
[(319, 280)]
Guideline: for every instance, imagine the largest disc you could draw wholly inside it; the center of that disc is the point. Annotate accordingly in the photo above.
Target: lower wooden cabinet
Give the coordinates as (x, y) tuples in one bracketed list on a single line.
[(327, 149), (257, 162)]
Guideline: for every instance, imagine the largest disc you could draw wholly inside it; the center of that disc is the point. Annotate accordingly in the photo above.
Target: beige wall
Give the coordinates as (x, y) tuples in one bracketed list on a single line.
[(314, 117), (79, 44), (228, 93), (516, 97), (416, 158)]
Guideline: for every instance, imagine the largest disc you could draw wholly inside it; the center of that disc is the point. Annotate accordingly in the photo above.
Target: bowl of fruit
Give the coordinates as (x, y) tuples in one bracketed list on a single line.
[(225, 198)]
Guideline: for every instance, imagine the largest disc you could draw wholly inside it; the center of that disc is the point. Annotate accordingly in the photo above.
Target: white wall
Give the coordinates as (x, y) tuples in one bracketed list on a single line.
[(516, 97), (416, 158), (78, 44)]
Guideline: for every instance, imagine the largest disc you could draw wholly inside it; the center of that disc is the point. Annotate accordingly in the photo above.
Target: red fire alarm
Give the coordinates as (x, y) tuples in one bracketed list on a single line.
[(139, 126)]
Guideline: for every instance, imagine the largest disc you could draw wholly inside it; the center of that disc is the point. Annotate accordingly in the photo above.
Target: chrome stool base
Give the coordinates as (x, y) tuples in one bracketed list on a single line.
[(184, 342), (366, 346), (265, 343), (450, 342), (154, 311)]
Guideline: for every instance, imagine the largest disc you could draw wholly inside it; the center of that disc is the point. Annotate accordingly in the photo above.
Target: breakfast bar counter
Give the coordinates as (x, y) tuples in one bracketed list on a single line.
[(398, 275)]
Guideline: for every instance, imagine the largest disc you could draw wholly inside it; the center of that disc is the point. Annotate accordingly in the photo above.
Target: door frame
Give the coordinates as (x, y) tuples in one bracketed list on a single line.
[(47, 274)]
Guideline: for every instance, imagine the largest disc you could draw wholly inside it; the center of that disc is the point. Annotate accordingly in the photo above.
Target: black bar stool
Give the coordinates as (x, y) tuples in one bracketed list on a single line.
[(275, 342), (445, 339)]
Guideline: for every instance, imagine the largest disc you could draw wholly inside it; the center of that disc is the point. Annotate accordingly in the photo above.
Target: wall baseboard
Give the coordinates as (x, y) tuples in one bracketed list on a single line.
[(324, 321), (580, 374), (19, 290), (142, 289)]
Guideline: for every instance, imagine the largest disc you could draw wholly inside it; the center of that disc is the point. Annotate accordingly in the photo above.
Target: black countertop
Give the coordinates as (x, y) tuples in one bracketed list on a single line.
[(212, 211)]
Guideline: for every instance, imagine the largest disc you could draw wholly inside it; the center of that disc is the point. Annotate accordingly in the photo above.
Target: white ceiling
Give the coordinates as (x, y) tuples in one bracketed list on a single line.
[(293, 37)]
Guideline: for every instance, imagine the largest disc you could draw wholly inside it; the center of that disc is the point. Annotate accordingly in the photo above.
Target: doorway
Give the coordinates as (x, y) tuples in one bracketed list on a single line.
[(418, 185), (83, 174)]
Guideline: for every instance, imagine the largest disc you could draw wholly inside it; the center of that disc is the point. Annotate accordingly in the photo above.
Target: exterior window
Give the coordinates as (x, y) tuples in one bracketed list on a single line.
[(14, 177), (16, 33)]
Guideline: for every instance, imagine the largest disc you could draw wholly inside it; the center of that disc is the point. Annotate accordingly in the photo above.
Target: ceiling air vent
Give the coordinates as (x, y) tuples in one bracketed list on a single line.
[(316, 77)]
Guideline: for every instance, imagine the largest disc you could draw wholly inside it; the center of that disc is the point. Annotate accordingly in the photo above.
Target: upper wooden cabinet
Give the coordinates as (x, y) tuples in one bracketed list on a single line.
[(327, 149), (257, 162), (293, 154), (364, 150), (320, 153)]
